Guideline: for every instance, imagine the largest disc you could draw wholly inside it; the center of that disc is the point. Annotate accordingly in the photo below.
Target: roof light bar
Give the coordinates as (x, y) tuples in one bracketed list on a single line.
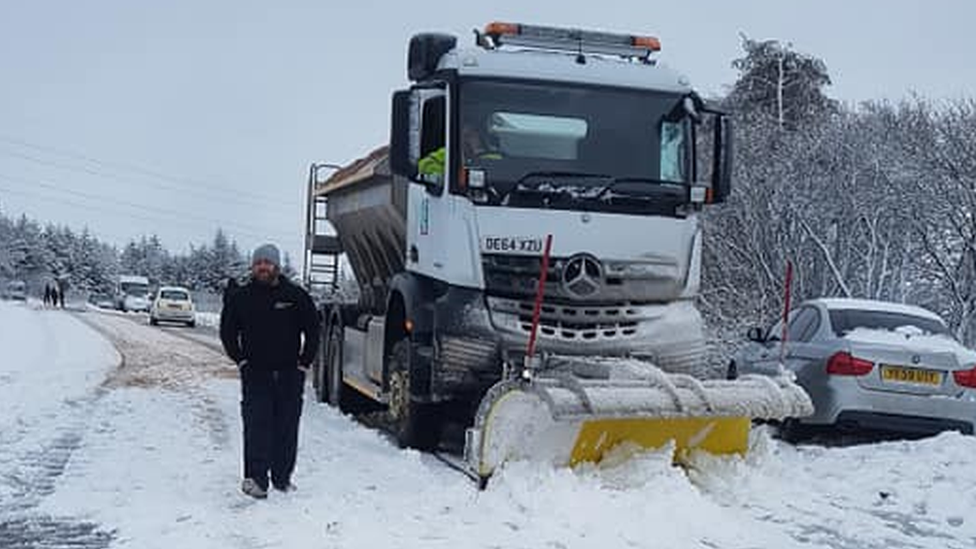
[(576, 40)]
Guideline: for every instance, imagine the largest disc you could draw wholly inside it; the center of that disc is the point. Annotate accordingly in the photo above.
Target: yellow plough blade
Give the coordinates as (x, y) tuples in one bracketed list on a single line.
[(716, 435), (565, 419)]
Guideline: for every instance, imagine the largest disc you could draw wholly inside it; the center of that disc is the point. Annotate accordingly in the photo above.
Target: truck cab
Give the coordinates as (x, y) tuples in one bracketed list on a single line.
[(532, 132)]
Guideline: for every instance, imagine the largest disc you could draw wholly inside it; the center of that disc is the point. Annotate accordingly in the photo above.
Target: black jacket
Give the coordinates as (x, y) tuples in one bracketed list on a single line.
[(266, 326)]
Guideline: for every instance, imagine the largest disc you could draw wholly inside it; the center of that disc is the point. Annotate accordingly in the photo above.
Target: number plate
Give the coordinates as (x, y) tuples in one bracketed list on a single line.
[(520, 245), (914, 376)]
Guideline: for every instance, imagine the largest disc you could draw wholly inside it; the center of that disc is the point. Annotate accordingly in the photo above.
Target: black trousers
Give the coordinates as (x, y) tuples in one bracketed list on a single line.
[(271, 406)]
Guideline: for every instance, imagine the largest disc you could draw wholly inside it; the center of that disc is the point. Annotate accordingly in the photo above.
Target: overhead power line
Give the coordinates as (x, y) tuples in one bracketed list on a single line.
[(184, 183), (124, 209), (203, 193)]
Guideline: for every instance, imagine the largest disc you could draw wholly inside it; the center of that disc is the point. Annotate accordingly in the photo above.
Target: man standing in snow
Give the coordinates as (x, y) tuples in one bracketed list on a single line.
[(269, 327)]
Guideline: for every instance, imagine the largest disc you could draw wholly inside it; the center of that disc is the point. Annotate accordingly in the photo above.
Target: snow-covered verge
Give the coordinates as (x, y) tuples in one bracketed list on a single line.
[(49, 362), (159, 462), (210, 320), (51, 372)]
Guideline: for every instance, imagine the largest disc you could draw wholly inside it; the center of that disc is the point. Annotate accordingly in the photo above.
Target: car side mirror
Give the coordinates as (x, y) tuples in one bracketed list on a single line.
[(756, 335)]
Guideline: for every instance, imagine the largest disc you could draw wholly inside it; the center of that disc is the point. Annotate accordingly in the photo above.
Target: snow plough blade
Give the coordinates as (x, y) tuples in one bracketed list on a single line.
[(577, 412)]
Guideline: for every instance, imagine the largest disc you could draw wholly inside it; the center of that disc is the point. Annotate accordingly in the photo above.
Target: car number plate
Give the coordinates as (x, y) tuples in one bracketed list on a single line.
[(915, 376)]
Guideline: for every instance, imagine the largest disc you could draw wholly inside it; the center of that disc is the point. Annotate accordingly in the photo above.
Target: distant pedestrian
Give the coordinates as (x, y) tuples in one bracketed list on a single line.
[(54, 296), (60, 296), (47, 295), (269, 327)]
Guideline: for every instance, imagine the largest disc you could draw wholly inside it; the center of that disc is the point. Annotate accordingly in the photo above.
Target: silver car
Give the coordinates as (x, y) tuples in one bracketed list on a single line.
[(869, 365)]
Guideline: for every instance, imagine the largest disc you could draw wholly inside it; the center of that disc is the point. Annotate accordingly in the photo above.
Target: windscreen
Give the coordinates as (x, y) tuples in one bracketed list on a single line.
[(135, 289), (598, 142), (174, 295), (845, 321)]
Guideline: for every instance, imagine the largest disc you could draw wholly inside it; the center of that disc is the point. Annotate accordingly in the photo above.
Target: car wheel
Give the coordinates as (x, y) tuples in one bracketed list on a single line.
[(191, 324), (153, 322), (793, 431)]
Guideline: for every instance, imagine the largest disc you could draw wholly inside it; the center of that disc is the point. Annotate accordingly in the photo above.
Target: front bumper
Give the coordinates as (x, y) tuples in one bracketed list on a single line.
[(841, 400), (475, 335), (137, 305), (175, 315)]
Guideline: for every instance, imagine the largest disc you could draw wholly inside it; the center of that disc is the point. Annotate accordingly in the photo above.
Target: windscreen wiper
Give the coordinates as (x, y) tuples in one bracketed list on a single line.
[(555, 175), (644, 187), (550, 185)]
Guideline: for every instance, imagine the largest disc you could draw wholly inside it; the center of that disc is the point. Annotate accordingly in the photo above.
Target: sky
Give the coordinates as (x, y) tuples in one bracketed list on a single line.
[(175, 118)]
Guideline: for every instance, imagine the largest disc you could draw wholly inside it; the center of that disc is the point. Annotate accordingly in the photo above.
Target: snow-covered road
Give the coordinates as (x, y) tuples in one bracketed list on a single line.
[(149, 457)]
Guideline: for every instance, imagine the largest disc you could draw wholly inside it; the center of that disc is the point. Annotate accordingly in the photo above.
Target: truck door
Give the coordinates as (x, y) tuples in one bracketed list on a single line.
[(427, 210)]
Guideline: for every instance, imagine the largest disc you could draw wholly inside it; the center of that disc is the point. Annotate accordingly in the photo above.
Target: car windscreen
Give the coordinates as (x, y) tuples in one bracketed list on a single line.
[(174, 295), (845, 321)]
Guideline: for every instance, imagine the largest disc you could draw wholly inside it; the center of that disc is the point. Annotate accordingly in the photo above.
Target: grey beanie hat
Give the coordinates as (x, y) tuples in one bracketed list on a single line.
[(266, 252)]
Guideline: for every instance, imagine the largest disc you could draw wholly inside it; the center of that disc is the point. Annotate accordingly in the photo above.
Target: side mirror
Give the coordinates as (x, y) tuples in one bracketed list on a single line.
[(425, 52), (722, 159), (400, 163), (756, 335)]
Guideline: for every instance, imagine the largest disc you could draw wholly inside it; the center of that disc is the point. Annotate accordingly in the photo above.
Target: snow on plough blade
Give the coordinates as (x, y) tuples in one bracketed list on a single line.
[(574, 411)]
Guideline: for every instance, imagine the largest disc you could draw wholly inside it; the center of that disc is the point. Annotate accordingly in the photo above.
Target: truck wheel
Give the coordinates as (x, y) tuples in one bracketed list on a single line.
[(319, 383), (415, 424), (348, 402)]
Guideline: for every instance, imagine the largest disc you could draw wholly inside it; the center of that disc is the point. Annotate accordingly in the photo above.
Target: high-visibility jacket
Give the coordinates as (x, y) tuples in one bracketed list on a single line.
[(433, 163)]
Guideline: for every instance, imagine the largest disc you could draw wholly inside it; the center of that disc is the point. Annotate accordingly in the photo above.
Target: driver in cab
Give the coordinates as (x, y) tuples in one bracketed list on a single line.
[(473, 149)]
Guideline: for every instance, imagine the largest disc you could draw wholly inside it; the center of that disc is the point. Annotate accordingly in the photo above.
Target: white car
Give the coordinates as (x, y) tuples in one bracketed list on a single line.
[(173, 304)]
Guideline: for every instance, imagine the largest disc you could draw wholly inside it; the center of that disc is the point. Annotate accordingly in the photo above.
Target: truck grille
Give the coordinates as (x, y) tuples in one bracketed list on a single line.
[(569, 322), (513, 275)]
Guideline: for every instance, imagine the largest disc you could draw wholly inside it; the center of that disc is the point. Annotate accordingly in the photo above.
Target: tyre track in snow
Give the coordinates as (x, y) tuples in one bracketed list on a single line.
[(169, 360), (33, 474), (163, 359)]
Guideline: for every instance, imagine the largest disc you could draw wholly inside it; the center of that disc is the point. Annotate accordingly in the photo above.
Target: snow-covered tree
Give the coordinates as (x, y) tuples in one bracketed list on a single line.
[(781, 83)]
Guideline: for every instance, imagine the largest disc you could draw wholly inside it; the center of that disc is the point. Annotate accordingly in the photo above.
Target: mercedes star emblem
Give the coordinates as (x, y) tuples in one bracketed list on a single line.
[(582, 275)]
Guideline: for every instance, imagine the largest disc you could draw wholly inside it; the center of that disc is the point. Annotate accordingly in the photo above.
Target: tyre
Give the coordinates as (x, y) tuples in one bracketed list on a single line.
[(319, 383), (415, 424), (336, 392), (153, 322), (191, 324), (793, 431)]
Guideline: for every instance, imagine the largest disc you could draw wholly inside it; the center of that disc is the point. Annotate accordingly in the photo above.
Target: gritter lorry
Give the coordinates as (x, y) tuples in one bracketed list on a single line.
[(528, 253)]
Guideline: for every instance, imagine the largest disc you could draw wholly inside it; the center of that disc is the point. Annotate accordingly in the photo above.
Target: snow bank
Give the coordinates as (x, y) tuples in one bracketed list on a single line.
[(892, 494), (210, 320)]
